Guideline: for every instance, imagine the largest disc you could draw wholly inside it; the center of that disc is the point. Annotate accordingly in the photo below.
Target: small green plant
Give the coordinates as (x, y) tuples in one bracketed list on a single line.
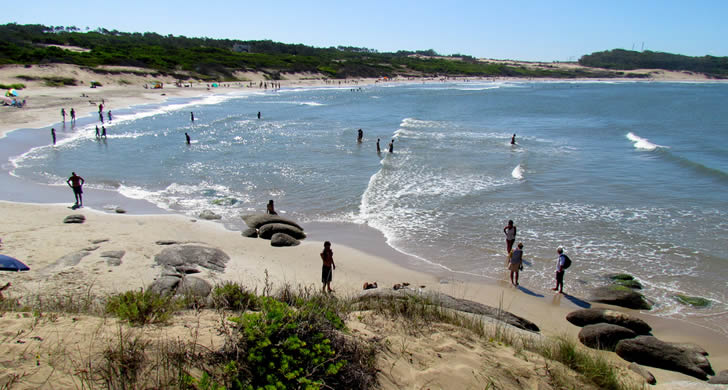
[(692, 301), (142, 307), (285, 349), (233, 296), (12, 86), (56, 81), (95, 84)]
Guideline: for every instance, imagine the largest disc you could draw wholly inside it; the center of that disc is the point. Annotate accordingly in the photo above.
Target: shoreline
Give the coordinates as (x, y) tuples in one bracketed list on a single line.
[(371, 258)]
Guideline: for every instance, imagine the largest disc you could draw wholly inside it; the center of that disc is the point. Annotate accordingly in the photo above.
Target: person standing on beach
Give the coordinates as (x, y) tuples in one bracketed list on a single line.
[(560, 271), (73, 115), (327, 273), (391, 146), (109, 115), (97, 132), (63, 114), (378, 149), (101, 117), (270, 209), (53, 134), (187, 136), (360, 136), (515, 262), (76, 183), (101, 107), (510, 232)]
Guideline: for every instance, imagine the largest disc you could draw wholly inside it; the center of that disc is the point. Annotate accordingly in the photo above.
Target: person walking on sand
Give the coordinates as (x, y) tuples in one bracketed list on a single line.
[(560, 267), (510, 232), (270, 209), (515, 262), (53, 134), (327, 272), (76, 183), (63, 114), (378, 149), (187, 136)]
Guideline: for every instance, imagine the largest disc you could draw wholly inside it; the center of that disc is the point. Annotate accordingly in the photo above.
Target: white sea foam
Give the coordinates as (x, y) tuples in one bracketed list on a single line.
[(642, 143), (517, 172)]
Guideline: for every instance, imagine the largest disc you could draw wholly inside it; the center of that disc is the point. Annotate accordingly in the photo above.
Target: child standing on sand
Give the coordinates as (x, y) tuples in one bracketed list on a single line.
[(327, 272)]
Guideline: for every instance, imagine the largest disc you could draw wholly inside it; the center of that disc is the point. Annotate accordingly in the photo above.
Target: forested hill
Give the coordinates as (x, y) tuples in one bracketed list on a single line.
[(206, 58), (716, 67)]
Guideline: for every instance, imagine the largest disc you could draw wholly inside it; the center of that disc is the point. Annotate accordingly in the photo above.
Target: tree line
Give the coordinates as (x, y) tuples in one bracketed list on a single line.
[(716, 67)]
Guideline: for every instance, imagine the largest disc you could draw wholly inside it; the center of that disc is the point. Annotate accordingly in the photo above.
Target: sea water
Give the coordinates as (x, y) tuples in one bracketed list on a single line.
[(627, 177)]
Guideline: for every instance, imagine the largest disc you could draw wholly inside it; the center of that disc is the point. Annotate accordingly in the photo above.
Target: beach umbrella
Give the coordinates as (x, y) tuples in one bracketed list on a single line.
[(8, 263)]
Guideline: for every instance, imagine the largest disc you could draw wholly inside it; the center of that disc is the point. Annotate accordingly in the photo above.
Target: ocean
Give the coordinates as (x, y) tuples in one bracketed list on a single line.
[(626, 176)]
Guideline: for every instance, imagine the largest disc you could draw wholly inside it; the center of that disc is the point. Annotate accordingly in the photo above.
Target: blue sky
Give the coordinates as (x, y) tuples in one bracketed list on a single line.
[(549, 30)]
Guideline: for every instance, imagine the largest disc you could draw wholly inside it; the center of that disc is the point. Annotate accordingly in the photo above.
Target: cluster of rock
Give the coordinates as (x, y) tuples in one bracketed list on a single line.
[(630, 338), (280, 231), (179, 262), (621, 292)]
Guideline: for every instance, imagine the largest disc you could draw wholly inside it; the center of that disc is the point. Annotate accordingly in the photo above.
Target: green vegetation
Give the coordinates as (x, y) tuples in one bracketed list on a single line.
[(142, 307), (622, 277), (53, 81), (209, 59), (11, 86), (633, 284), (295, 337), (692, 301), (716, 67)]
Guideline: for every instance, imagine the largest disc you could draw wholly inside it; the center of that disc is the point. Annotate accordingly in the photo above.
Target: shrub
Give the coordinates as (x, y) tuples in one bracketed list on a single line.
[(95, 84), (141, 307), (12, 86), (283, 347), (233, 296)]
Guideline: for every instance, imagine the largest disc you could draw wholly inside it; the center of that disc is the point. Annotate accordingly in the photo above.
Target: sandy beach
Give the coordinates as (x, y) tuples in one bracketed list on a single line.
[(36, 234)]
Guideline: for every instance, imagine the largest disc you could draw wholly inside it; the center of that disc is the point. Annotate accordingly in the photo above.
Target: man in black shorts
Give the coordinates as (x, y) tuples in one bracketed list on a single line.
[(76, 182)]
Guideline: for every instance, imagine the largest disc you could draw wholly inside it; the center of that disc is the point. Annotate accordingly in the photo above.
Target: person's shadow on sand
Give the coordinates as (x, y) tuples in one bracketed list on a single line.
[(529, 292), (577, 301)]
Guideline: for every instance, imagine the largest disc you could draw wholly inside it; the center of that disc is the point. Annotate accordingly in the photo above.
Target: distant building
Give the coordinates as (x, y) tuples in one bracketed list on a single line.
[(240, 48)]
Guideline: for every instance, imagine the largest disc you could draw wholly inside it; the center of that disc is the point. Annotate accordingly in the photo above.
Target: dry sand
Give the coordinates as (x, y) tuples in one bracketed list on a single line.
[(35, 233)]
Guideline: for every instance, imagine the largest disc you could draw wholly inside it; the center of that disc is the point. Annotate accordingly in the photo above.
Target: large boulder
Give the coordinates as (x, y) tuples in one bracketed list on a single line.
[(188, 255), (194, 286), (282, 239), (604, 336), (449, 302), (166, 284), (250, 232), (651, 351), (75, 218), (620, 296), (257, 220), (209, 215), (720, 379), (171, 284), (585, 317), (268, 230)]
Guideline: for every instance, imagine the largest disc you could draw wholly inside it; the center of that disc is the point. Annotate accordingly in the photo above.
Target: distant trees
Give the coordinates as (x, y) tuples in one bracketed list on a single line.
[(628, 60)]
